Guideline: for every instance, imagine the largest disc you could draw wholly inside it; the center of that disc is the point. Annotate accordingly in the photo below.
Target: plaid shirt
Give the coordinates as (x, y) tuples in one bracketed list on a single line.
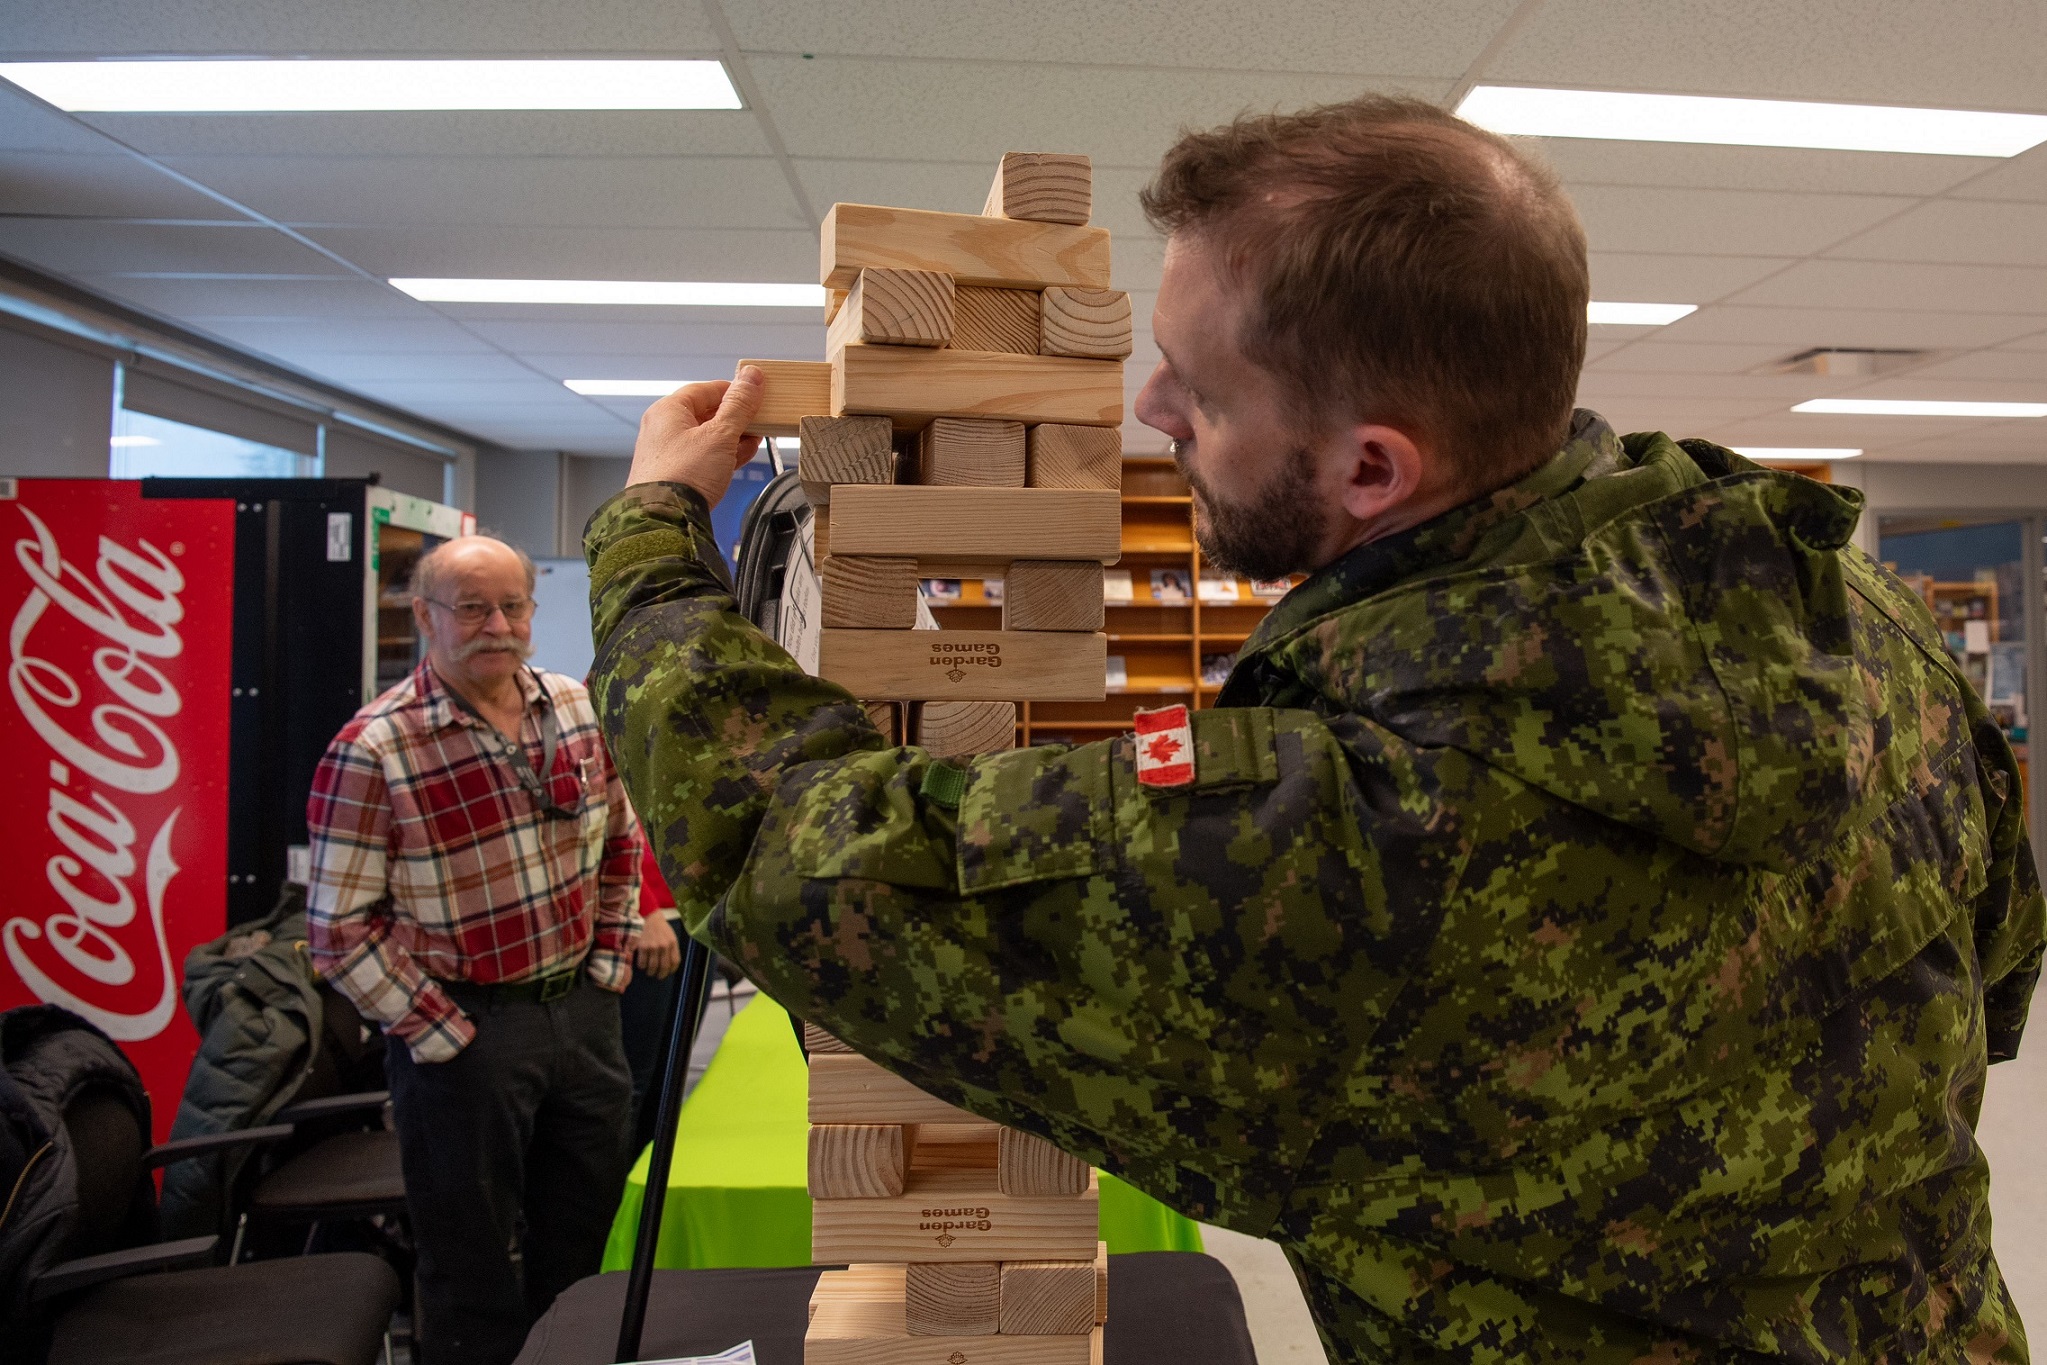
[(430, 860)]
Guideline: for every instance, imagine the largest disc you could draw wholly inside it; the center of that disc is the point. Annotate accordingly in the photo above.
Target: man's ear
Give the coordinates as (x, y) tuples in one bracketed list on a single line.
[(422, 620), (1383, 469)]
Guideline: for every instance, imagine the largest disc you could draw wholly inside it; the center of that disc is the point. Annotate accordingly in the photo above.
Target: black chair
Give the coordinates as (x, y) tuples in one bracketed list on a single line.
[(352, 1175), (122, 1303)]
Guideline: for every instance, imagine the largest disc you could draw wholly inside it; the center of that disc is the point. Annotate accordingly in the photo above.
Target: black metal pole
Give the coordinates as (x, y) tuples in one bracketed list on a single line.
[(685, 1008)]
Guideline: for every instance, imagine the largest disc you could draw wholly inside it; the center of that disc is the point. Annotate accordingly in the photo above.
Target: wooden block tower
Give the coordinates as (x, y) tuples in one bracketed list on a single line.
[(965, 425)]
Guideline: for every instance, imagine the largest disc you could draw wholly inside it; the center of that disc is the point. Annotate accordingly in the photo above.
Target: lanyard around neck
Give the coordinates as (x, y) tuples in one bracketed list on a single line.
[(513, 750)]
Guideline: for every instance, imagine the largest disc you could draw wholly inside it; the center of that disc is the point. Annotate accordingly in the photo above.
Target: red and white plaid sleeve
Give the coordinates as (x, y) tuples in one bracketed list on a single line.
[(349, 919), (618, 881)]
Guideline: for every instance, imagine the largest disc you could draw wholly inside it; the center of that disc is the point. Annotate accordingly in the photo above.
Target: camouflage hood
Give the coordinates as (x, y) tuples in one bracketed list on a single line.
[(1652, 630)]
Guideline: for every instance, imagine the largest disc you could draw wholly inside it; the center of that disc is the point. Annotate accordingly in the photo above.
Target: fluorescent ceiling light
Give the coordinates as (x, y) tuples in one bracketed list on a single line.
[(1638, 314), (1919, 407), (243, 87), (626, 388), (1798, 452), (135, 441), (1626, 116), (685, 293)]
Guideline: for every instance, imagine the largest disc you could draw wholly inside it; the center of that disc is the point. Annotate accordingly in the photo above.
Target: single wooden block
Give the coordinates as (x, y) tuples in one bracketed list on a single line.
[(859, 1160), (956, 1147), (1029, 1166), (953, 1216), (970, 248), (834, 300), (858, 1284), (1042, 187), (887, 717), (1050, 594), (843, 450), (971, 452), (895, 308), (861, 592), (952, 1299), (991, 524), (861, 1327), (847, 1088), (1101, 1282), (960, 729), (967, 665), (986, 319), (816, 1039), (912, 385), (795, 389), (1047, 1298), (1087, 322), (1073, 457)]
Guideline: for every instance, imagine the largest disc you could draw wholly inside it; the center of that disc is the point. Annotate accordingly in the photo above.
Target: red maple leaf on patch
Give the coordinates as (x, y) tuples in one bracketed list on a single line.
[(1161, 748)]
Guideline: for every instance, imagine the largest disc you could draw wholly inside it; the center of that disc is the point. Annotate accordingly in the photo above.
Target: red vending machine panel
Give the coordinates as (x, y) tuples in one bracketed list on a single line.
[(114, 757)]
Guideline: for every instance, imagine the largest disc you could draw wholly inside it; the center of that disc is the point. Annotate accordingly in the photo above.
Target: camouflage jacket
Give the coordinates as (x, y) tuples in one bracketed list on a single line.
[(1584, 937)]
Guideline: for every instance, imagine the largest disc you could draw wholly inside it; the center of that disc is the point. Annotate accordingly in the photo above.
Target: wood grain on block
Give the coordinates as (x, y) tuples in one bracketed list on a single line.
[(971, 452), (1087, 322), (913, 384), (954, 1216), (1058, 456), (987, 319), (859, 1160), (1047, 1298), (956, 1147), (960, 729), (992, 524), (1101, 1281), (853, 1329), (869, 1283), (943, 564), (816, 1039), (1042, 187), (1050, 594), (839, 450), (1030, 1167), (895, 308), (967, 665), (847, 1088), (795, 389), (834, 300), (866, 592), (887, 717), (952, 1299), (972, 249)]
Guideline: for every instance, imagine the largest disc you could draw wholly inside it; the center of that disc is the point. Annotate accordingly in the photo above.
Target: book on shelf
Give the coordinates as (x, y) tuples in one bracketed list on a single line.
[(1173, 587), (1117, 589), (1118, 673), (944, 592), (991, 589), (1219, 589), (1270, 589)]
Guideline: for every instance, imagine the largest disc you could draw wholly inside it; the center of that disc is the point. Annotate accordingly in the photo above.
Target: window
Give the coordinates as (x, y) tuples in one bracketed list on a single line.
[(146, 446)]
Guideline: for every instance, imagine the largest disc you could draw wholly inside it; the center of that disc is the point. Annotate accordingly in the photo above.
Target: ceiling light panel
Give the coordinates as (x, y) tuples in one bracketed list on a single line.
[(253, 86), (626, 388), (1638, 314), (1798, 453), (669, 293), (1917, 407), (1627, 116)]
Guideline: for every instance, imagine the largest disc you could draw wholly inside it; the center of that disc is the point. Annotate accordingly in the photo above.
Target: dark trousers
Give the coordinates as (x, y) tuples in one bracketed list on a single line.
[(514, 1157), (642, 1010)]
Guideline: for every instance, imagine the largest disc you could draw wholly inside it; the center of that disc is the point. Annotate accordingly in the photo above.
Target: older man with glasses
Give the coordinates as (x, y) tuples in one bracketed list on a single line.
[(474, 890)]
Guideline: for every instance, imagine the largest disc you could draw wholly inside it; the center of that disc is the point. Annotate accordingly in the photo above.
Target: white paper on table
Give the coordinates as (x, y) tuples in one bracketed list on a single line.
[(742, 1354), (1975, 637)]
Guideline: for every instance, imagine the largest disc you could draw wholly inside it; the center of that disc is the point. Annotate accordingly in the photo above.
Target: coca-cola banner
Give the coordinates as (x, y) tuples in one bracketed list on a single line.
[(113, 757)]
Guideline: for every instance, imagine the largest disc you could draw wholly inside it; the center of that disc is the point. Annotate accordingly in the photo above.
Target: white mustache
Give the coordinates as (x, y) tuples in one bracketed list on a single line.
[(495, 644)]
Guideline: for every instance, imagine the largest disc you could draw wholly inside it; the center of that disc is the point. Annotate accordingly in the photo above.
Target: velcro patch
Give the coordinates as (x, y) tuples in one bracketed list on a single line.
[(1165, 747)]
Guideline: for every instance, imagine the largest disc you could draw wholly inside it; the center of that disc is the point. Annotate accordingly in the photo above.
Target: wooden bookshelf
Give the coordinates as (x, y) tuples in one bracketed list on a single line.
[(1160, 641)]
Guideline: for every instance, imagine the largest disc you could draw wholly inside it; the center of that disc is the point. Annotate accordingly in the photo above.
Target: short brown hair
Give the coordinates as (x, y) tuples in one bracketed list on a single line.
[(1410, 269)]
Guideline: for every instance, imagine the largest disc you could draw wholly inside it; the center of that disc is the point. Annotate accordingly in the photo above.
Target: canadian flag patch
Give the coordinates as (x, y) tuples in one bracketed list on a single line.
[(1165, 747)]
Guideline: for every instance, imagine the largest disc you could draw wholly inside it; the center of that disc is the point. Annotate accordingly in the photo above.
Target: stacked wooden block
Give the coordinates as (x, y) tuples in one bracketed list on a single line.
[(964, 426), (964, 1241)]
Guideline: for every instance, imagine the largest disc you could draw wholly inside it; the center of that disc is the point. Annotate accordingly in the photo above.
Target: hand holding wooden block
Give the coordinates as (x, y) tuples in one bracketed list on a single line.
[(1043, 187), (1084, 322), (795, 389)]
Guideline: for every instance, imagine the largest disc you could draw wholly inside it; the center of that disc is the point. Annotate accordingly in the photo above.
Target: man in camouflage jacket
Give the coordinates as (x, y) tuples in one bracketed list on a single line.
[(1583, 938)]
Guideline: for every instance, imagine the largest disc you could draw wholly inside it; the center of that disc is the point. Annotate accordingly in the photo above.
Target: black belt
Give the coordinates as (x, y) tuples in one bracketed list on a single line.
[(541, 990)]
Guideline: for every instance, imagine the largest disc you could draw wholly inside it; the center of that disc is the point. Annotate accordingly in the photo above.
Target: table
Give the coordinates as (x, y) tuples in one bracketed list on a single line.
[(736, 1189), (1165, 1308)]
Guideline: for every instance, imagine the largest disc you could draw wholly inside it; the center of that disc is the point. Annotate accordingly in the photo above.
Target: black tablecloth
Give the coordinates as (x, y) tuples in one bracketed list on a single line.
[(1165, 1308)]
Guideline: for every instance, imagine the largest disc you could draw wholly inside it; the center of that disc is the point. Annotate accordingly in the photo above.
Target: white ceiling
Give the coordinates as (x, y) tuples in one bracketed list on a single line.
[(275, 232)]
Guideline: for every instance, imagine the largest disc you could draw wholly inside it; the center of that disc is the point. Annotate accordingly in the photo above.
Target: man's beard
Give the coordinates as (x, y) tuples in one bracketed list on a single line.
[(1277, 532), (494, 644)]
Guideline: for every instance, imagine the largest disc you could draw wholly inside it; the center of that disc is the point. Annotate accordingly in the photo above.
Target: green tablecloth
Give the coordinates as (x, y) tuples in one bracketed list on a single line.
[(736, 1188)]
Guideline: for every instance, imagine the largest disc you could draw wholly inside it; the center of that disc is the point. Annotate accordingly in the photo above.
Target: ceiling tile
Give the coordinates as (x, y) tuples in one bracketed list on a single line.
[(2002, 365), (1592, 161), (1654, 356), (1725, 222), (29, 125), (530, 392), (610, 192), (349, 369), (1998, 442), (1916, 288), (521, 253), (1676, 279), (71, 247), (455, 132), (313, 301), (98, 186), (422, 335), (2023, 177), (667, 332), (1988, 54), (1786, 428), (1951, 231), (1778, 390), (1797, 328)]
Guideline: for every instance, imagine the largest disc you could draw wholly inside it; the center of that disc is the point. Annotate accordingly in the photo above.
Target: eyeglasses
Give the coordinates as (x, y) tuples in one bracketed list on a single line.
[(476, 613)]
